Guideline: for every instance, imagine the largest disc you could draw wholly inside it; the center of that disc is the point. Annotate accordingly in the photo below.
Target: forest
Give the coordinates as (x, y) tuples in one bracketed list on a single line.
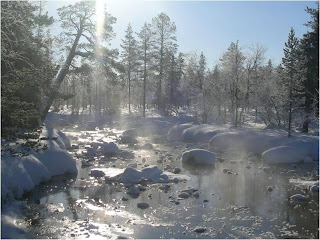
[(77, 69)]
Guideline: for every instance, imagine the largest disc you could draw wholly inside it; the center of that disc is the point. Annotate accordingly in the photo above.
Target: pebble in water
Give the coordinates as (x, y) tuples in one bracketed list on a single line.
[(143, 205), (199, 229)]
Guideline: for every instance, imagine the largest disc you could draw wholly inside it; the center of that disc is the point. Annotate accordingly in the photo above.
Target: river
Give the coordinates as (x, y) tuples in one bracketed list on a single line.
[(248, 201)]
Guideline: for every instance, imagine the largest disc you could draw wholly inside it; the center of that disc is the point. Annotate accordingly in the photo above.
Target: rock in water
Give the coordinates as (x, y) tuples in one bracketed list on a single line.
[(184, 195), (130, 132), (199, 229), (298, 198), (133, 191), (143, 205), (97, 173), (128, 140), (198, 157)]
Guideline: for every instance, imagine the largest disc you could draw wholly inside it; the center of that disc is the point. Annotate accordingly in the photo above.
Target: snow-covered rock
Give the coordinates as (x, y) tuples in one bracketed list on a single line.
[(21, 174), (54, 135), (283, 154), (198, 157), (175, 133), (200, 133), (257, 142), (57, 161)]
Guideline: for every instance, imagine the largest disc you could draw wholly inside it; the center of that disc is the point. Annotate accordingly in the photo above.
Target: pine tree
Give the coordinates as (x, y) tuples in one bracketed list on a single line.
[(144, 51), (25, 66), (310, 50), (129, 58), (164, 33), (292, 77)]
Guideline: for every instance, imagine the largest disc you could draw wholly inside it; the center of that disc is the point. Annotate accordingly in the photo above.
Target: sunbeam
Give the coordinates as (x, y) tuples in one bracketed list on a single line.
[(100, 6)]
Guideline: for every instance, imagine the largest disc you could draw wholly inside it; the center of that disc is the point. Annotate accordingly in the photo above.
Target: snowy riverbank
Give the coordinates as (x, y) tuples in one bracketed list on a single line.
[(25, 164)]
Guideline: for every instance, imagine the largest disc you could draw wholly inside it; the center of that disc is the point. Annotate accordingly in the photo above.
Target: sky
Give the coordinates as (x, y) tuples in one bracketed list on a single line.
[(210, 26)]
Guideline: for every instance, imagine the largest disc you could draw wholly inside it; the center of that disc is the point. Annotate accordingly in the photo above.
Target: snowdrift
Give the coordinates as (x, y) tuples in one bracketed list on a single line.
[(21, 173)]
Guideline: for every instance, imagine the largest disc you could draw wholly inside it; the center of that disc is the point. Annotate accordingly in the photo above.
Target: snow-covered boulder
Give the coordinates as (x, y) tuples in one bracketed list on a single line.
[(60, 138), (283, 155), (198, 157), (57, 161), (175, 133), (200, 133)]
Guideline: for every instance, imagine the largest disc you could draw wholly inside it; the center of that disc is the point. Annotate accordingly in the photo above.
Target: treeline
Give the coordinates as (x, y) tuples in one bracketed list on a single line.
[(148, 71)]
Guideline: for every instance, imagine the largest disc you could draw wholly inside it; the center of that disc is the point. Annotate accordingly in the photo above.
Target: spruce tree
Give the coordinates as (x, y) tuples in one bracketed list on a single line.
[(129, 58), (292, 77), (310, 50)]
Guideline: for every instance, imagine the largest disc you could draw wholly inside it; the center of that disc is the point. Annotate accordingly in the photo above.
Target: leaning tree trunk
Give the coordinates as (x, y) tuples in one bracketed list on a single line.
[(55, 85)]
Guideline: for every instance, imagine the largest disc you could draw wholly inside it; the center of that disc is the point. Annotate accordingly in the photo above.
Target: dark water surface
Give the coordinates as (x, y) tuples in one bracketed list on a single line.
[(237, 204)]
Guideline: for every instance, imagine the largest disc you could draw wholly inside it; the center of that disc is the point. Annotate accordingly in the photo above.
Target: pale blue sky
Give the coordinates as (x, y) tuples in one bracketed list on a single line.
[(211, 26)]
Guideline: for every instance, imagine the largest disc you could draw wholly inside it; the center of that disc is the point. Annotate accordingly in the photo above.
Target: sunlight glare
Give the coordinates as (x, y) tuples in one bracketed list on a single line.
[(100, 18)]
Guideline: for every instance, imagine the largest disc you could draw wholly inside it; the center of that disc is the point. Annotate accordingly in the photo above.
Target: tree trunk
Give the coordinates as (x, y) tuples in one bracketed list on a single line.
[(59, 78)]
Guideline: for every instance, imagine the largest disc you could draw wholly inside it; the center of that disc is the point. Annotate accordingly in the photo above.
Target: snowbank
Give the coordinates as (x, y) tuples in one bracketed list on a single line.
[(27, 168), (198, 157), (258, 142)]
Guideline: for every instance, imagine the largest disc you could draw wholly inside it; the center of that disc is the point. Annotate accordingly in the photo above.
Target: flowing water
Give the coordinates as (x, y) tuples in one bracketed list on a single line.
[(249, 201)]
